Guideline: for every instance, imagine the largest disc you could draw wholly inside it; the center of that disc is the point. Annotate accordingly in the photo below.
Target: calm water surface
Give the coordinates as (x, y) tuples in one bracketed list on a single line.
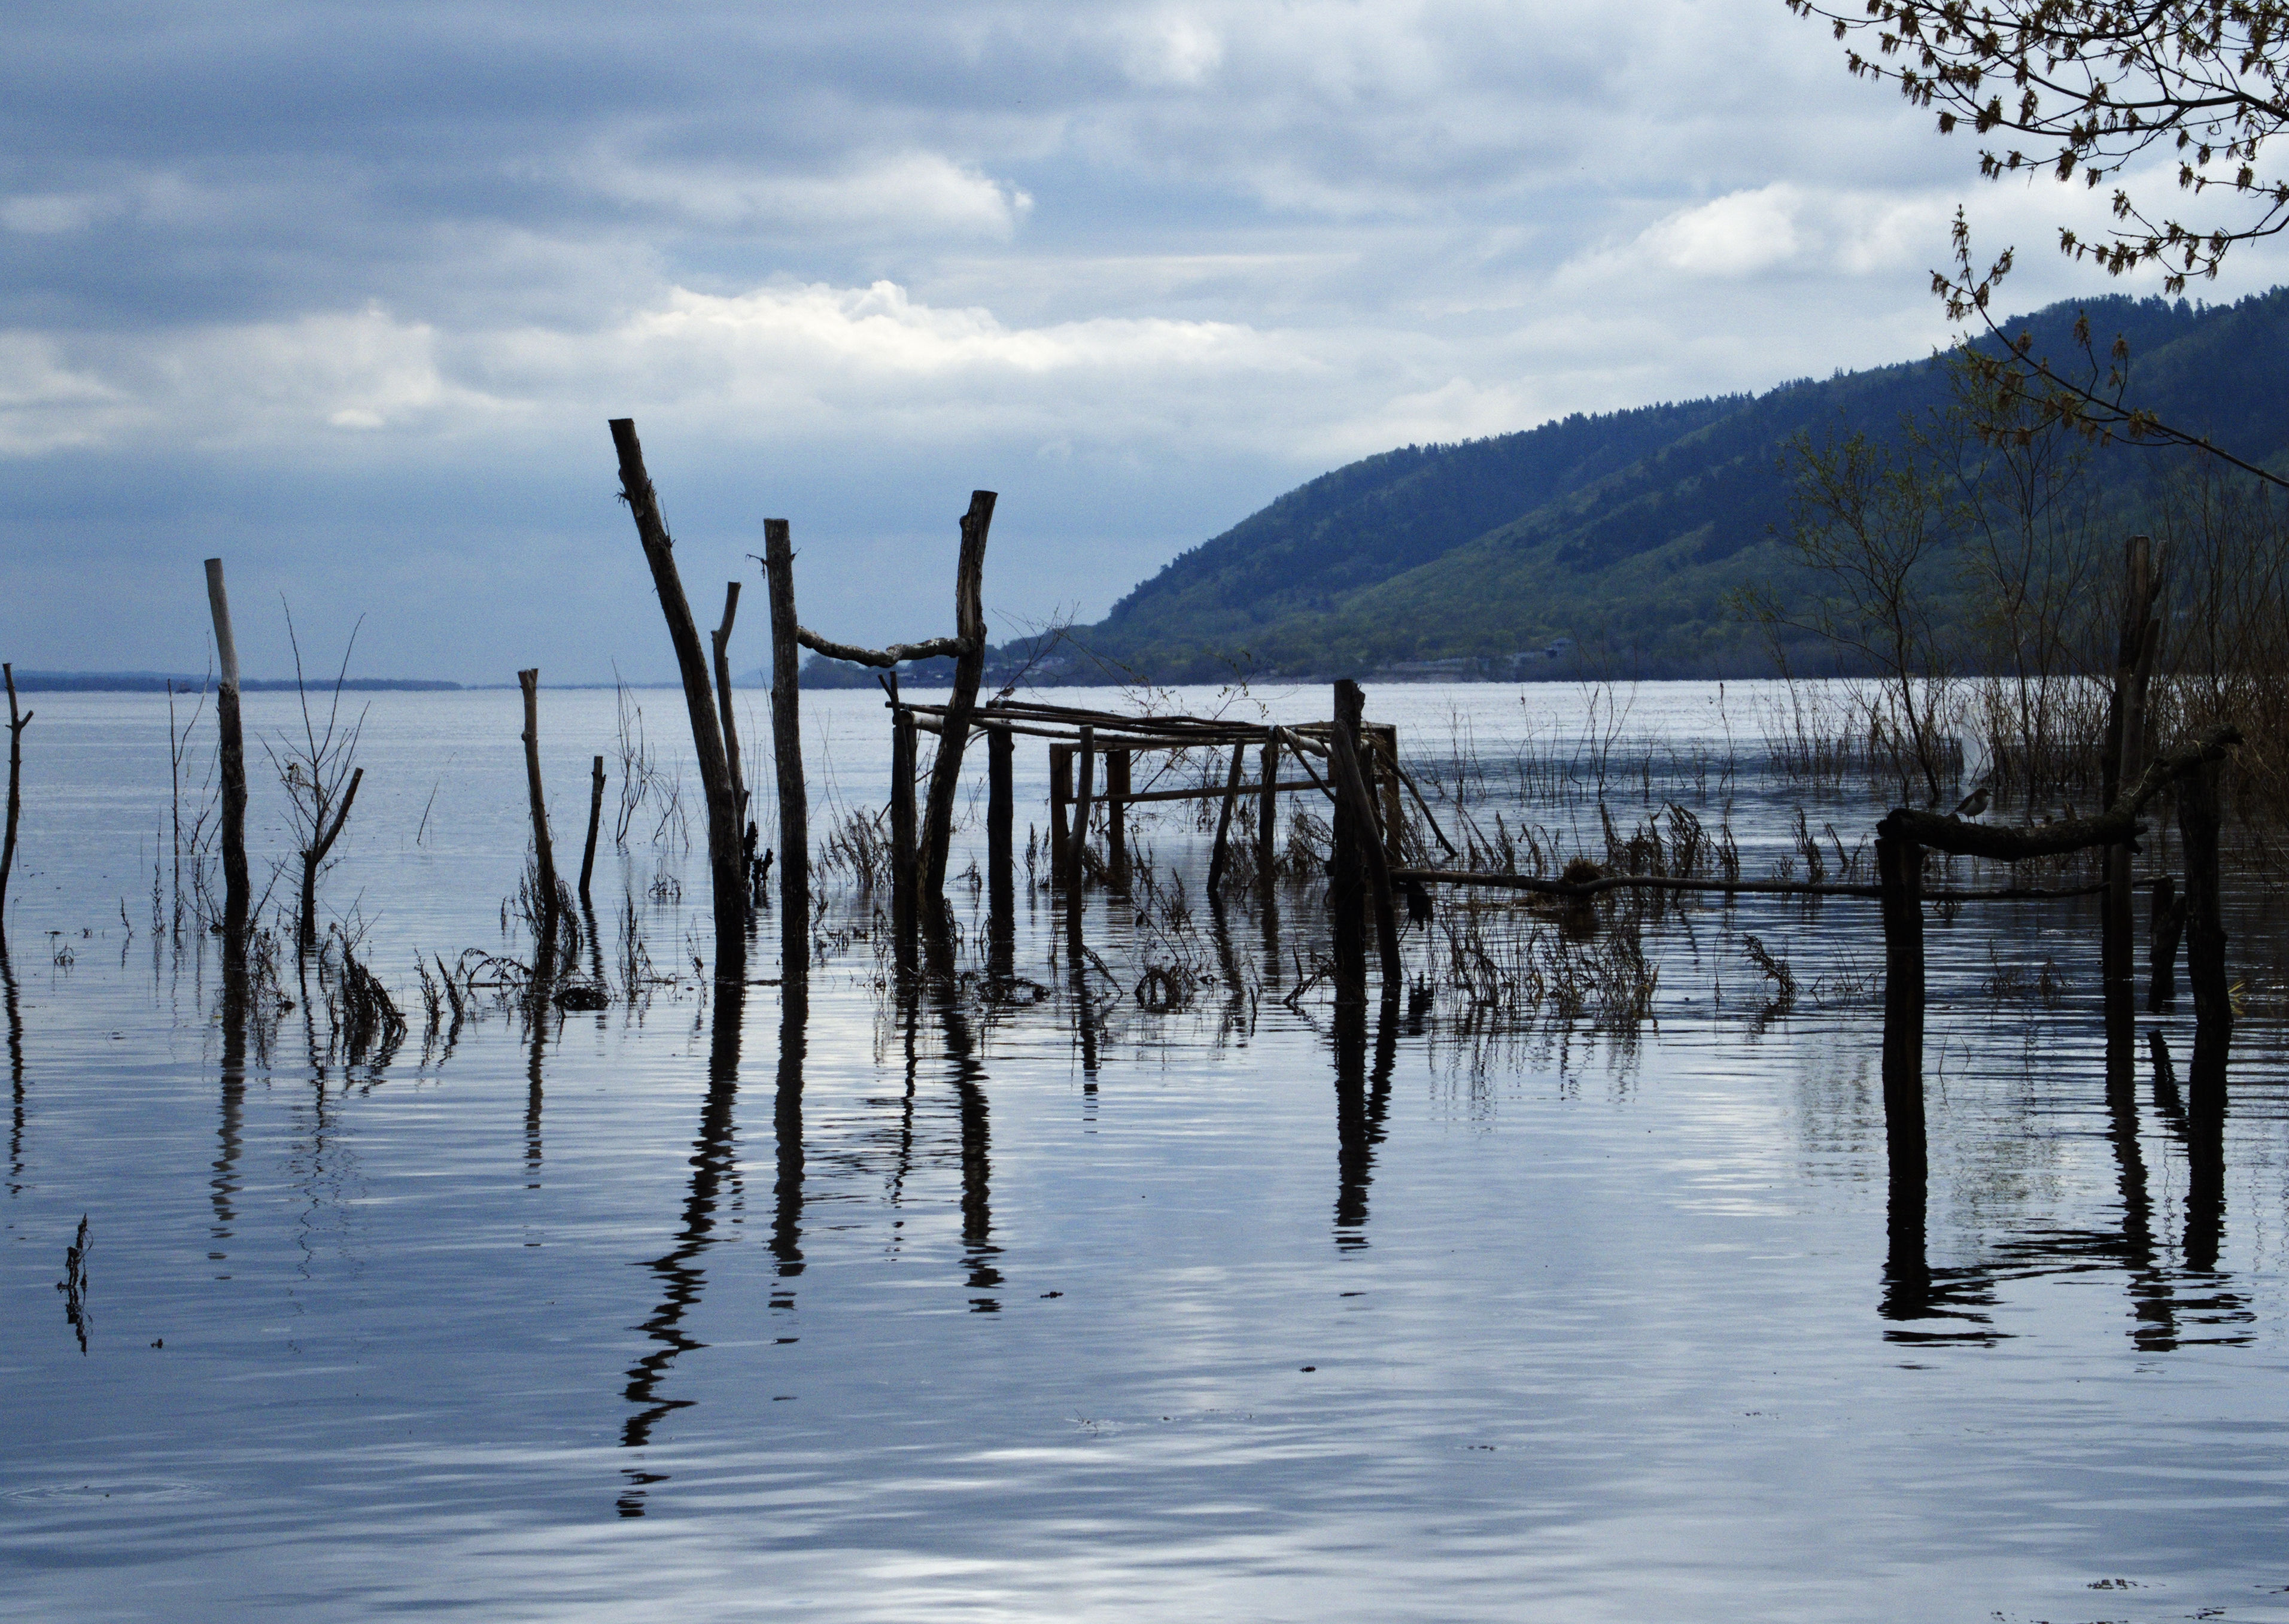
[(928, 1307)]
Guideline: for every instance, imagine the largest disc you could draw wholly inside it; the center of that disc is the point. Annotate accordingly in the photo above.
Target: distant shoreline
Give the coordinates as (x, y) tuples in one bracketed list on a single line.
[(159, 681)]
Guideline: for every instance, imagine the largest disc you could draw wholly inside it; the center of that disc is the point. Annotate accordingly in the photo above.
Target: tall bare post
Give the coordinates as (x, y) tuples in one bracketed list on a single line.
[(1347, 865), (1267, 816), (1116, 820), (1000, 858), (237, 892), (2140, 644), (1345, 748), (1077, 861), (725, 869), (1217, 853), (1383, 743), (2205, 972), (722, 640), (906, 864), (968, 667), (595, 818), (17, 723), (1060, 803), (544, 849), (786, 754), (1899, 875)]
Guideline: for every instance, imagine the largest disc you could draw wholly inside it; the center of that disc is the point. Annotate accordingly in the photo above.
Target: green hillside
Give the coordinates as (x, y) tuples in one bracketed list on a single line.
[(1616, 539)]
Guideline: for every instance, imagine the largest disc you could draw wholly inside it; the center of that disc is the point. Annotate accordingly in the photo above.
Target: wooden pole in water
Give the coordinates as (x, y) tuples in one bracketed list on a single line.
[(1344, 756), (1382, 752), (1899, 873), (2206, 971), (787, 757), (237, 891), (722, 640), (1347, 866), (17, 723), (723, 854), (1267, 816), (1077, 865), (544, 850), (1060, 803), (1223, 816), (595, 817), (2141, 641), (968, 667), (1116, 819), (1001, 822), (906, 866)]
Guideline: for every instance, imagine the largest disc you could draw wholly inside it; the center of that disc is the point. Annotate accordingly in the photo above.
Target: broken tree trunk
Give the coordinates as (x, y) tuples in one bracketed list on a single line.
[(722, 640), (968, 667), (905, 867), (544, 849), (17, 723), (313, 858), (724, 856), (595, 817), (236, 890), (787, 757), (1085, 773), (1216, 855)]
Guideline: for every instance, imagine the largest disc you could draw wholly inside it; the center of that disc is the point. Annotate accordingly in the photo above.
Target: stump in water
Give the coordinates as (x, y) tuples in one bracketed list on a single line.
[(1899, 871), (1116, 821), (231, 749), (905, 862), (2166, 924), (595, 817), (1001, 857)]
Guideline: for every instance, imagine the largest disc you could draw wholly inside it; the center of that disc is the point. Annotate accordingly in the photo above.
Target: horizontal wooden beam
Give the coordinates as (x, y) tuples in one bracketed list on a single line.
[(930, 648)]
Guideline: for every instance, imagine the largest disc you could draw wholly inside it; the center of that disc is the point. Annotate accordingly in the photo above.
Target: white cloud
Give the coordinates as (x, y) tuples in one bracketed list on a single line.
[(904, 194)]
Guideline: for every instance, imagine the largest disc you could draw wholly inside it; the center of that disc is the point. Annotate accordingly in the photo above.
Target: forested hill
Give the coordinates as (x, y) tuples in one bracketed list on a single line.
[(1616, 539)]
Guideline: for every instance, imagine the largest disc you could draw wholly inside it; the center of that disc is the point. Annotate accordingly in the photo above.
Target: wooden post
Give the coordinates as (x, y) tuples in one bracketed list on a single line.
[(1001, 831), (237, 892), (722, 640), (1347, 868), (595, 817), (1077, 865), (1899, 874), (544, 850), (2140, 643), (2166, 924), (725, 869), (1267, 815), (2206, 971), (968, 667), (1224, 818), (1060, 800), (906, 866), (16, 725), (1383, 740), (787, 755), (1116, 819), (1345, 751)]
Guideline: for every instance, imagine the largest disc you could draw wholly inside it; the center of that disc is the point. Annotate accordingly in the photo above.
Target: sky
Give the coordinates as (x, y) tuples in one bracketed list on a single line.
[(346, 294)]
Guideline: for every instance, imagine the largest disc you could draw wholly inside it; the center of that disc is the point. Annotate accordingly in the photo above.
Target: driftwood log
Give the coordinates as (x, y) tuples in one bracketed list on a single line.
[(928, 649)]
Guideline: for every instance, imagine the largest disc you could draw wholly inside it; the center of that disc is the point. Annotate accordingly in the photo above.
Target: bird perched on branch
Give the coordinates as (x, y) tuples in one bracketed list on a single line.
[(1978, 771), (1973, 804)]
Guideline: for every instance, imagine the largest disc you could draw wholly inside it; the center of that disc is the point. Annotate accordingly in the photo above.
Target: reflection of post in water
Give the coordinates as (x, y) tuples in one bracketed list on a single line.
[(1077, 978), (235, 1015), (1363, 1102), (1913, 1290), (786, 1124), (678, 1273), (2206, 1152), (977, 1159), (536, 1014), (15, 1013), (2156, 1326)]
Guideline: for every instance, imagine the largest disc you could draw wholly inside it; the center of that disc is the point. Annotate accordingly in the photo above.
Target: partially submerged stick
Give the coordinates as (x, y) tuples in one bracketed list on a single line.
[(968, 668), (237, 889), (722, 639), (544, 849), (786, 760), (596, 816), (16, 725)]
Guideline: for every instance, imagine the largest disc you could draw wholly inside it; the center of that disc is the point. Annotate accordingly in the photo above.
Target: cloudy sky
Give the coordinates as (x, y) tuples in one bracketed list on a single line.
[(346, 293)]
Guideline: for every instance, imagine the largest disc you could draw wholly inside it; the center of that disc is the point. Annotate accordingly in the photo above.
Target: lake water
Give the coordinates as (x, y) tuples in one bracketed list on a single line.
[(932, 1307)]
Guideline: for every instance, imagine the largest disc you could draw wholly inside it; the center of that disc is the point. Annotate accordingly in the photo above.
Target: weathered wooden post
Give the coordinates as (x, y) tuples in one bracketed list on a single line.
[(1345, 751), (1216, 855), (1077, 865), (1001, 857), (906, 860), (2206, 971), (961, 703), (237, 892), (1267, 815), (17, 723), (1899, 876), (1347, 864), (2165, 923), (544, 850), (1116, 820), (2125, 760), (725, 870), (1382, 739), (1060, 802), (786, 756), (722, 640), (595, 817)]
